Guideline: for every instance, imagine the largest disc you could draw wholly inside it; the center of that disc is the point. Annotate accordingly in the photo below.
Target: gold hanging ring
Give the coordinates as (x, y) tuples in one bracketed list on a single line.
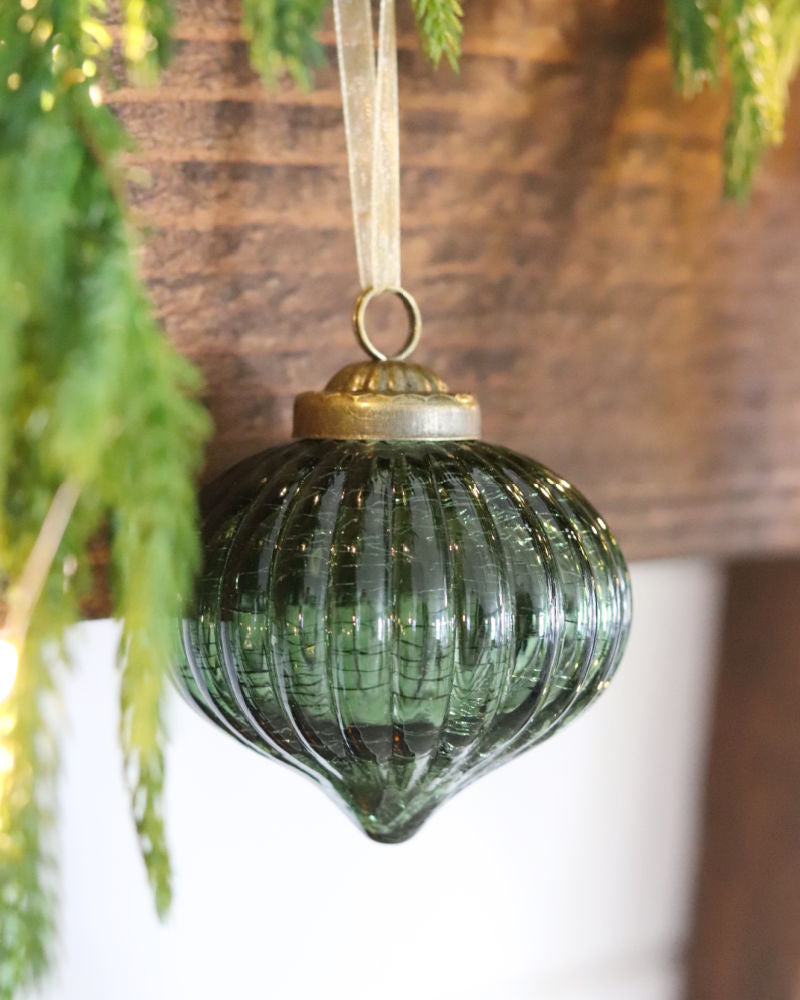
[(414, 322)]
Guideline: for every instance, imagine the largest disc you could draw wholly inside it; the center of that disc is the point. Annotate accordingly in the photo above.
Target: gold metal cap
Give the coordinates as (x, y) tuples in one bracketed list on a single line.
[(386, 401)]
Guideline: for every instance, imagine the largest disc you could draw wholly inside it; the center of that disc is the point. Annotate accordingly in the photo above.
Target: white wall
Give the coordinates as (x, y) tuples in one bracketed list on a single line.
[(566, 874)]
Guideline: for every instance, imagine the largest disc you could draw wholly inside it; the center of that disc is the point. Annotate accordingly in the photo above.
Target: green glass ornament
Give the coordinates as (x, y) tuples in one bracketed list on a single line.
[(394, 607)]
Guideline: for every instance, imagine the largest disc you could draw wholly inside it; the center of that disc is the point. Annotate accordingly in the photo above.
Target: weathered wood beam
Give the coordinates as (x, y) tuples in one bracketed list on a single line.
[(564, 234), (746, 944)]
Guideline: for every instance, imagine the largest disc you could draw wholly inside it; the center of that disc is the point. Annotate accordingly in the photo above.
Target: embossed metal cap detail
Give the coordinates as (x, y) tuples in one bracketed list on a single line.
[(386, 401)]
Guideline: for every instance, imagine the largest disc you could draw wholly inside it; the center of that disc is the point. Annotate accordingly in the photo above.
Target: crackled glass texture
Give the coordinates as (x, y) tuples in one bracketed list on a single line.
[(396, 619)]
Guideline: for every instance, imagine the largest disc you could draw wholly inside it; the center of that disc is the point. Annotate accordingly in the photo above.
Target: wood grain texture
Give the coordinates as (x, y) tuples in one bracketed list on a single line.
[(563, 232), (746, 944)]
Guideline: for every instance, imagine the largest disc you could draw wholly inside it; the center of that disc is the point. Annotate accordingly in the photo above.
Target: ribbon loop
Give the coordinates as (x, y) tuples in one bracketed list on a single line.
[(369, 101)]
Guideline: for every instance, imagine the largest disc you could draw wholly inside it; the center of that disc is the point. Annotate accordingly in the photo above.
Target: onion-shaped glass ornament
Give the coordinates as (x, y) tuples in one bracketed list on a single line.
[(394, 607)]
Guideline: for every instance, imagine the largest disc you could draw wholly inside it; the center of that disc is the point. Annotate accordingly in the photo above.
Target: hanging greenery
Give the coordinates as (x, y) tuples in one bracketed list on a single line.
[(100, 430), (758, 42)]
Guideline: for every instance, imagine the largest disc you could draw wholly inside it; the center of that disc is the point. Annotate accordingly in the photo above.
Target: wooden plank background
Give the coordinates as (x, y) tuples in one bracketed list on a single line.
[(563, 232)]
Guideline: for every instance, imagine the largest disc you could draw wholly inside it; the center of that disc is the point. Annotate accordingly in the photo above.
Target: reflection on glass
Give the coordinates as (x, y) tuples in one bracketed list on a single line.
[(396, 619)]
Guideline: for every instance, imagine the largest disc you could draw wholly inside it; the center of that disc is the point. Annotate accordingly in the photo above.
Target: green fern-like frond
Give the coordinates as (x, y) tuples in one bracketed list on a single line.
[(127, 378), (146, 36), (27, 790), (92, 395), (154, 556), (786, 26), (27, 794), (283, 37), (440, 28), (756, 120), (760, 43), (40, 163), (693, 37)]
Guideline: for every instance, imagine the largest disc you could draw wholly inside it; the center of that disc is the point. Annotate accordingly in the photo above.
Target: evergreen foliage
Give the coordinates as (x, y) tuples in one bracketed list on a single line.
[(146, 41), (759, 42), (693, 43), (282, 37), (95, 405), (91, 395), (439, 23)]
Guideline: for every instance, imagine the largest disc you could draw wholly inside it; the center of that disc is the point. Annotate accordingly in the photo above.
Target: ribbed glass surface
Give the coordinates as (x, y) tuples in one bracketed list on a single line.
[(396, 618)]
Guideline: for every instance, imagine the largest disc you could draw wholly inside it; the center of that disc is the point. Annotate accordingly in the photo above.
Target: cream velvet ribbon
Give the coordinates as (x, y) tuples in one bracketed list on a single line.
[(369, 101)]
